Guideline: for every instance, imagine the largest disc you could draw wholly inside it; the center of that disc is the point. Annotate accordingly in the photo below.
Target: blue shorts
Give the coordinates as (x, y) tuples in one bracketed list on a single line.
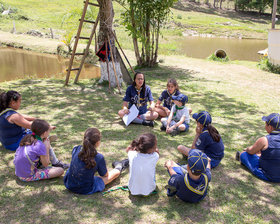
[(214, 162), (14, 146), (181, 170), (253, 164), (98, 185)]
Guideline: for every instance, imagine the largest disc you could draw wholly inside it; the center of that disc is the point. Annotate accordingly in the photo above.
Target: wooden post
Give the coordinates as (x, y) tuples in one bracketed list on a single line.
[(274, 14), (113, 62), (123, 52), (106, 43)]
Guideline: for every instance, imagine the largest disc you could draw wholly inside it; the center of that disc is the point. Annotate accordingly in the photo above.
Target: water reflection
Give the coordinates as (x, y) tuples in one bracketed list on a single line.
[(236, 49), (17, 63)]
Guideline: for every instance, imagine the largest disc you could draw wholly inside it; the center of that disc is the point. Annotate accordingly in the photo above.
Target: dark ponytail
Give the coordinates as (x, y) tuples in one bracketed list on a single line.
[(7, 98), (38, 127), (88, 152), (213, 133), (144, 143)]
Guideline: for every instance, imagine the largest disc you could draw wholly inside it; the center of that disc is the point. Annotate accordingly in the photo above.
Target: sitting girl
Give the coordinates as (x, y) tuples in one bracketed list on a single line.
[(207, 139), (34, 150), (143, 155), (86, 161), (166, 97)]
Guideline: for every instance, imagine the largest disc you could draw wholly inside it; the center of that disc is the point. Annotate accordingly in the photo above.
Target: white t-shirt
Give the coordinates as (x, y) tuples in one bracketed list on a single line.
[(142, 172), (180, 113)]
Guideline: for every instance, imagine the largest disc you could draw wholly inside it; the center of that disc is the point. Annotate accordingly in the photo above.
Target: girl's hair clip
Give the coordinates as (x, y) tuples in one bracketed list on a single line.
[(33, 134)]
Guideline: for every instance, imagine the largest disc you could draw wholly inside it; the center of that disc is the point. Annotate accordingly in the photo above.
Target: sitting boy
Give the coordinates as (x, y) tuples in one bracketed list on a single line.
[(189, 184), (178, 119)]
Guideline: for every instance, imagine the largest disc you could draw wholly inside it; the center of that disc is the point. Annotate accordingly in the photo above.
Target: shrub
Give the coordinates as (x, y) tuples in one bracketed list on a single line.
[(213, 57), (265, 65)]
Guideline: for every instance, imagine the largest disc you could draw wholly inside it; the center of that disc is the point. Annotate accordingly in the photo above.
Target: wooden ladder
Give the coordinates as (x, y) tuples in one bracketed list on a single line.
[(77, 37)]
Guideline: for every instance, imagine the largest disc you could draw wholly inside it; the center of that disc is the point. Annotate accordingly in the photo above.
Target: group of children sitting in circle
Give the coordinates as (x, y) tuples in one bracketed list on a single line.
[(30, 138)]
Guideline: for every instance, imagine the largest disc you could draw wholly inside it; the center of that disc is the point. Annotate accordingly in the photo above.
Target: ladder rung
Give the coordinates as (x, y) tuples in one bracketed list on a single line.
[(79, 53), (84, 38), (73, 69), (90, 3), (87, 21)]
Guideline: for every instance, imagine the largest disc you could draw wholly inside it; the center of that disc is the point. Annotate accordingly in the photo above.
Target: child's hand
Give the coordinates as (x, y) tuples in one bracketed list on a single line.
[(168, 164), (47, 143), (53, 127), (157, 151), (198, 130), (126, 111)]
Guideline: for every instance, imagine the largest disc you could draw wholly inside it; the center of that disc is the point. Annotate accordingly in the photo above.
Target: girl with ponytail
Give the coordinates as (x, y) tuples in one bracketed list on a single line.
[(33, 153), (143, 155), (207, 139), (86, 161)]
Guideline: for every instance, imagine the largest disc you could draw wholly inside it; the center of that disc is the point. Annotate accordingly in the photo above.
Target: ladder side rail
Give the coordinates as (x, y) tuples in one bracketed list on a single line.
[(76, 42), (87, 48)]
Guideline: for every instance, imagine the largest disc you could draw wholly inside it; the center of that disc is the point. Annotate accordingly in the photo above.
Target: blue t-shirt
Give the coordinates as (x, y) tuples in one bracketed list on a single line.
[(270, 158), (190, 190), (166, 97), (9, 133), (214, 150), (78, 178), (140, 99)]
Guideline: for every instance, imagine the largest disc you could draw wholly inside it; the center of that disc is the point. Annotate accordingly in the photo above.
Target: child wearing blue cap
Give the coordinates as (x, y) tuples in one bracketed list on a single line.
[(207, 139), (263, 157), (178, 119), (189, 185)]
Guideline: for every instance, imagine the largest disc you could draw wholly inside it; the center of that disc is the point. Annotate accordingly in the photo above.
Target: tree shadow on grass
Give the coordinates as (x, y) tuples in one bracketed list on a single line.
[(73, 109)]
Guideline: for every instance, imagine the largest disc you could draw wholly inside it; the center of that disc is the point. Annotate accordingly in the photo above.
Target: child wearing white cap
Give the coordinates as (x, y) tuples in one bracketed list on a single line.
[(189, 185)]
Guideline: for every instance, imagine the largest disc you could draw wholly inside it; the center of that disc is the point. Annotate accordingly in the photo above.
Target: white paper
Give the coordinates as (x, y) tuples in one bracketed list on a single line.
[(133, 113)]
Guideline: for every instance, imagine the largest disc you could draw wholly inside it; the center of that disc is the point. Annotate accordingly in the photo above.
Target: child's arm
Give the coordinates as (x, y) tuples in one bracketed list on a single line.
[(198, 132), (168, 164), (28, 118), (45, 159), (181, 121), (168, 121), (125, 107)]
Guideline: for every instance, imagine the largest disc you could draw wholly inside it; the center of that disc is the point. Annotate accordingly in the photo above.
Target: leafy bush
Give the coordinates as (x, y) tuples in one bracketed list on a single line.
[(265, 65), (213, 57)]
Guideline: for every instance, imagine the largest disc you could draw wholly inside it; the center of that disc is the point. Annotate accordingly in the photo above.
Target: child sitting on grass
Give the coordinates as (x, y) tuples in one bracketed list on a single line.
[(207, 139), (34, 152), (143, 155), (189, 185), (86, 161), (178, 119)]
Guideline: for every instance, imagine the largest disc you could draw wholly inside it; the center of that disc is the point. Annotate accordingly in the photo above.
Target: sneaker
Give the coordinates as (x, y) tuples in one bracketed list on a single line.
[(123, 164), (174, 132), (148, 123), (65, 166), (237, 156), (171, 191), (163, 128)]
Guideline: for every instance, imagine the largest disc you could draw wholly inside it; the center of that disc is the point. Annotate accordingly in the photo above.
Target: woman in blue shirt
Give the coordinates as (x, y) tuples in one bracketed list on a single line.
[(139, 94)]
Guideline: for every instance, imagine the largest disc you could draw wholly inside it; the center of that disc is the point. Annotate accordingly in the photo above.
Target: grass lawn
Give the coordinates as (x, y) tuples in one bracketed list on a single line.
[(236, 95)]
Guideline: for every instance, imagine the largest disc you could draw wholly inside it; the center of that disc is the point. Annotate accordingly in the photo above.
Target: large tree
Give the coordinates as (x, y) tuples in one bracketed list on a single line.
[(143, 20)]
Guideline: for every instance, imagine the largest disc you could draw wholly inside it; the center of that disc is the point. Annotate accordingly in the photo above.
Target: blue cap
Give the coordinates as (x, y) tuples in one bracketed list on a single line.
[(197, 161), (273, 120), (181, 98), (203, 118)]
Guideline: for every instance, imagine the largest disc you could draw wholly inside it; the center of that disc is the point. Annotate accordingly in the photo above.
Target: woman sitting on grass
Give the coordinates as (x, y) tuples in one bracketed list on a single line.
[(263, 157), (207, 139), (33, 153), (139, 94), (14, 126), (86, 161)]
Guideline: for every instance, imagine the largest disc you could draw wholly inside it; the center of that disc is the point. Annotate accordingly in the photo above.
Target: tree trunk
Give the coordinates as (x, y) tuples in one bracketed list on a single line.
[(157, 41), (221, 1), (106, 13)]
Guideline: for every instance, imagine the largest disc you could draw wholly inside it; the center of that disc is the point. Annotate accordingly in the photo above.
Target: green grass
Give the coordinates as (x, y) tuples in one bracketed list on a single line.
[(235, 196)]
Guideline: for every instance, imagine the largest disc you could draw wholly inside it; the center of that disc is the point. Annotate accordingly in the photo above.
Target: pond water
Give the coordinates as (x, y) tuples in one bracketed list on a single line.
[(236, 49), (17, 63)]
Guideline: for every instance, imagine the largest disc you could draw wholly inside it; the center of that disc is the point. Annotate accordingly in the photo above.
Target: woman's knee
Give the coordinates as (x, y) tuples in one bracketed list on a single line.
[(55, 172)]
